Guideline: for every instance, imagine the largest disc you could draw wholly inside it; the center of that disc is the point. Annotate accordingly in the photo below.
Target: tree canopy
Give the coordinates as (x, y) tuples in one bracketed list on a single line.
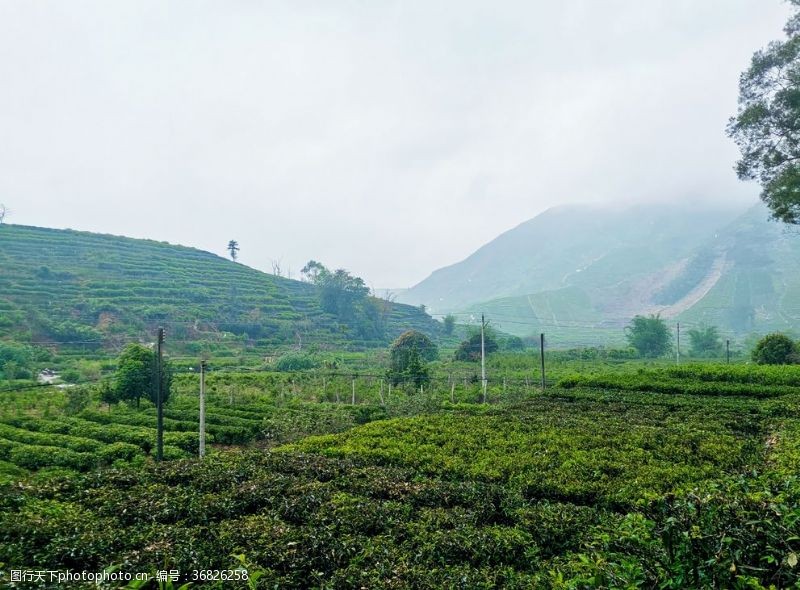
[(449, 322), (767, 126), (347, 297), (650, 336), (470, 349), (233, 249), (776, 349), (705, 342), (408, 356), (15, 361), (136, 375)]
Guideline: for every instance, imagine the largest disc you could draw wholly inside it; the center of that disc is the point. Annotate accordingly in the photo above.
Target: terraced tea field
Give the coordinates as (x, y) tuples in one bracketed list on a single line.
[(592, 485)]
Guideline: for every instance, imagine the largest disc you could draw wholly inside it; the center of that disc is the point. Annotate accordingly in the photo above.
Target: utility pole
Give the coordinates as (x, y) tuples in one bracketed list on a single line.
[(541, 354), (728, 351), (354, 391), (202, 409), (160, 397), (678, 350), (483, 357)]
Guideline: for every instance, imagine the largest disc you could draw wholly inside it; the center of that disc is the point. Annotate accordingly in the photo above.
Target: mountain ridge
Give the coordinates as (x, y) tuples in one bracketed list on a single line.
[(605, 266)]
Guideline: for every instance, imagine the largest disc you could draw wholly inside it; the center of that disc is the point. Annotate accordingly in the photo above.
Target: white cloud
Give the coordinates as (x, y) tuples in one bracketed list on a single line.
[(389, 138)]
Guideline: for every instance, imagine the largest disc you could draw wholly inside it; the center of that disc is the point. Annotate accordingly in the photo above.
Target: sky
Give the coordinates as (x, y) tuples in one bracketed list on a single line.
[(386, 137)]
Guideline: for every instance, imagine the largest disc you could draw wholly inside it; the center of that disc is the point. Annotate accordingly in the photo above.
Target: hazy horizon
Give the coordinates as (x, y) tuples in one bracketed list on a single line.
[(388, 139)]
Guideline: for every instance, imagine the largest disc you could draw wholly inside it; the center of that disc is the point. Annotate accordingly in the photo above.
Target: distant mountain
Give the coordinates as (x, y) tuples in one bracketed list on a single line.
[(91, 290), (586, 246), (585, 271), (746, 278)]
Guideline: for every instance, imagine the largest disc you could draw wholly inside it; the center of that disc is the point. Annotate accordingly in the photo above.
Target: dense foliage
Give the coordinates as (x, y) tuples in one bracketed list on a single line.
[(347, 297), (408, 358), (470, 349), (650, 336), (705, 342), (16, 361), (776, 349), (137, 375), (766, 127)]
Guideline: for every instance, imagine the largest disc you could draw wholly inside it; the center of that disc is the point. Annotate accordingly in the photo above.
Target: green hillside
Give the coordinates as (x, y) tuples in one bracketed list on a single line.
[(759, 288), (600, 250), (94, 291), (596, 269), (566, 316)]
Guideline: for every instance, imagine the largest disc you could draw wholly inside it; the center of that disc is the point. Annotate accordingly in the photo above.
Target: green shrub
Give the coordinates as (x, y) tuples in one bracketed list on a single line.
[(35, 457), (74, 443), (776, 349), (295, 361), (119, 451)]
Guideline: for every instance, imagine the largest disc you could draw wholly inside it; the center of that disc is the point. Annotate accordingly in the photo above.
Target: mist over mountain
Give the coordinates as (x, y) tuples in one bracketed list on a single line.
[(583, 267)]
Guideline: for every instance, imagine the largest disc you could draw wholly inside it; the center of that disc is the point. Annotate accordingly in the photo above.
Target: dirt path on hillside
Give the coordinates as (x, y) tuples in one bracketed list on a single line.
[(701, 290), (639, 299)]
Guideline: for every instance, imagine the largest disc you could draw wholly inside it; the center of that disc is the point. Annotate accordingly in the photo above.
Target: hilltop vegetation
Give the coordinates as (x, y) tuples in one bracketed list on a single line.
[(88, 291)]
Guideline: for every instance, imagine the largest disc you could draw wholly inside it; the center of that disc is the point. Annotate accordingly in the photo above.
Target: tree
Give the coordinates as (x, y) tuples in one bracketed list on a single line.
[(347, 297), (776, 349), (705, 342), (233, 248), (136, 375), (108, 394), (649, 336), (470, 349), (417, 370), (311, 271), (408, 358), (449, 324), (514, 344), (767, 126), (15, 361)]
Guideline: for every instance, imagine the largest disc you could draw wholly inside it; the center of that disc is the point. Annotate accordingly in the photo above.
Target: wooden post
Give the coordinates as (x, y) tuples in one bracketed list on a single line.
[(159, 398), (483, 357), (382, 402), (541, 353), (353, 401), (202, 409)]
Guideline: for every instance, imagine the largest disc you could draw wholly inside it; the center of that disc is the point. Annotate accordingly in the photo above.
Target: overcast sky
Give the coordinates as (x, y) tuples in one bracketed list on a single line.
[(386, 137)]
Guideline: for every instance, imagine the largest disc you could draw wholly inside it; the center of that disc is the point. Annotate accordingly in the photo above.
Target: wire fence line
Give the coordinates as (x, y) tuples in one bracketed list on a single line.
[(322, 379)]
